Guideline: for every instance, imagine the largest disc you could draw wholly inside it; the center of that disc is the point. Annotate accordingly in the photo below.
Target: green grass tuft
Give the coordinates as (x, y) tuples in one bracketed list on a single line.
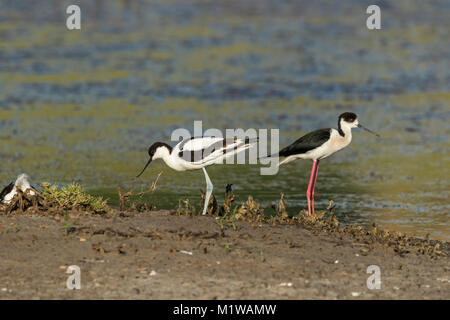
[(73, 197)]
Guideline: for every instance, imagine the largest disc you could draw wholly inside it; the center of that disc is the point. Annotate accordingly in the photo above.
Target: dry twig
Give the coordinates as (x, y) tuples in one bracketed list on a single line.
[(125, 197)]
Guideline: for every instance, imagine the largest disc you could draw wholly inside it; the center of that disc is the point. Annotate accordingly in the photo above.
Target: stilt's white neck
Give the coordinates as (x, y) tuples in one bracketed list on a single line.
[(345, 128)]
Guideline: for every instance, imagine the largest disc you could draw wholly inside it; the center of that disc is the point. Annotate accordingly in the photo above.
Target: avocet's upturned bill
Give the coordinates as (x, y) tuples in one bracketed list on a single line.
[(318, 145), (197, 153)]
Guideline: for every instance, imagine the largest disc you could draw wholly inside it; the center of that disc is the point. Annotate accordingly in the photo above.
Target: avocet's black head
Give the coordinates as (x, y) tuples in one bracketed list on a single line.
[(155, 147), (349, 120), (155, 152)]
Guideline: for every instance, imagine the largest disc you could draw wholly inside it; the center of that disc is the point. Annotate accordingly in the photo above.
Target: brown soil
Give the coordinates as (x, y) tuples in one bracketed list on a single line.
[(134, 255)]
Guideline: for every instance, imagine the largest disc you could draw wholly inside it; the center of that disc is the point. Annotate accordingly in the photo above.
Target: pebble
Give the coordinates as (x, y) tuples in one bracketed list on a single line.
[(285, 284), (356, 294)]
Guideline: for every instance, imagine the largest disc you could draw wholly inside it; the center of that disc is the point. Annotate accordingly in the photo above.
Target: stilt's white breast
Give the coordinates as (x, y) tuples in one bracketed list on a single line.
[(338, 142), (334, 144)]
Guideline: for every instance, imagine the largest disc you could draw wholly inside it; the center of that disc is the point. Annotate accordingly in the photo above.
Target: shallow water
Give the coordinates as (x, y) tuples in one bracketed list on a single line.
[(85, 105)]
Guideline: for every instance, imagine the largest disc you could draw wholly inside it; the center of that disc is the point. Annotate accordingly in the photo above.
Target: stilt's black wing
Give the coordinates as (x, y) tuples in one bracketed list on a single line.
[(306, 143), (6, 190)]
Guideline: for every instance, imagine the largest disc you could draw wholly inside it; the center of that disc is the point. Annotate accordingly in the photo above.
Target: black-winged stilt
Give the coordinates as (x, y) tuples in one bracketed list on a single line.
[(197, 153), (22, 183), (320, 144)]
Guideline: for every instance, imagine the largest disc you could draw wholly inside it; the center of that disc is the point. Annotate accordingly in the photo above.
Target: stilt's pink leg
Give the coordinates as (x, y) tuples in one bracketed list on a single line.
[(314, 184), (309, 191)]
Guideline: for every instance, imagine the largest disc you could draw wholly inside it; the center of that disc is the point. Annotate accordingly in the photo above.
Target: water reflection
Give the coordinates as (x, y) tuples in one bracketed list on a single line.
[(84, 106)]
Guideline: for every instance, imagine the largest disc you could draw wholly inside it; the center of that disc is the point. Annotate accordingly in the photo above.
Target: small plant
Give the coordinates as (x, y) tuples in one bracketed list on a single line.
[(250, 210), (179, 208), (222, 221), (67, 224), (227, 247), (188, 209), (261, 255), (233, 218), (280, 208), (185, 208), (72, 197), (7, 229)]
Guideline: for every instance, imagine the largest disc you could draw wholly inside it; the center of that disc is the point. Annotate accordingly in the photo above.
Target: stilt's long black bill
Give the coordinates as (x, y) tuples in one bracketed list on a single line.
[(374, 133), (150, 160)]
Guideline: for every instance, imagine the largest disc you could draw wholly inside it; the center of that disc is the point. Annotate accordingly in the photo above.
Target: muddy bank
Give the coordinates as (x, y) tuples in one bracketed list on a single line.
[(163, 255)]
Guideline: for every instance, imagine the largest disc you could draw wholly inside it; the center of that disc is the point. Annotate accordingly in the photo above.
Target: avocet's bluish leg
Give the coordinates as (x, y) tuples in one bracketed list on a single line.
[(209, 189)]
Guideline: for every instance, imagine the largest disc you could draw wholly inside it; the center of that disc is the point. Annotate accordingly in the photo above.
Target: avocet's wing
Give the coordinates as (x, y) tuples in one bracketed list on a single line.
[(198, 143), (208, 149)]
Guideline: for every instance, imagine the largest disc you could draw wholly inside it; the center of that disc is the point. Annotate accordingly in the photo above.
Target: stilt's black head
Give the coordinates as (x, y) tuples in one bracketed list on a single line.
[(348, 117), (351, 121), (347, 120), (152, 151)]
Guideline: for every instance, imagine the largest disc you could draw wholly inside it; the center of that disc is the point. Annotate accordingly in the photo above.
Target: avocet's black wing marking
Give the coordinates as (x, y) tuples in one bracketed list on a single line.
[(6, 190), (198, 143), (307, 143), (205, 148)]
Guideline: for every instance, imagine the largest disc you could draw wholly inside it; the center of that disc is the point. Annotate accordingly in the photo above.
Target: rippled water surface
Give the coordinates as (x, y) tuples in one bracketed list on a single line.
[(85, 105)]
